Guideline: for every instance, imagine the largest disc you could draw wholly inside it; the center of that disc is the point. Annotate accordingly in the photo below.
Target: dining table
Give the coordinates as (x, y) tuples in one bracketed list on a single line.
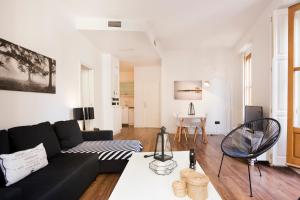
[(185, 119)]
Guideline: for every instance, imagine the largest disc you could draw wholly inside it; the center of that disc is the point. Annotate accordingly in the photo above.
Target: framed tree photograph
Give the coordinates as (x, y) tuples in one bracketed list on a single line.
[(24, 70)]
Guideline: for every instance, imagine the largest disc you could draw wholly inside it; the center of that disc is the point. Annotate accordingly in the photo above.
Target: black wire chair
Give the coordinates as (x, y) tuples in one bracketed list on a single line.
[(251, 140)]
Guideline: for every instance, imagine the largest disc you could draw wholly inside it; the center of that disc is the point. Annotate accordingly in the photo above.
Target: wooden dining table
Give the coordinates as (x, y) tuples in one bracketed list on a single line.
[(183, 118)]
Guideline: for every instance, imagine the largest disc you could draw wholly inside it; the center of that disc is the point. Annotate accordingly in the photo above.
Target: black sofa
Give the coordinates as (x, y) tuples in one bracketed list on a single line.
[(66, 176)]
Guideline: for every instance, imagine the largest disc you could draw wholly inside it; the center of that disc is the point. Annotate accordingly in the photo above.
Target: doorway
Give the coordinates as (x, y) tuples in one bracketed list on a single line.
[(147, 96), (127, 93), (87, 91)]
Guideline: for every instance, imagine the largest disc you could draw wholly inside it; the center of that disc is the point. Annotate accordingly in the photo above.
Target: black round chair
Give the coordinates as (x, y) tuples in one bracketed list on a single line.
[(251, 140)]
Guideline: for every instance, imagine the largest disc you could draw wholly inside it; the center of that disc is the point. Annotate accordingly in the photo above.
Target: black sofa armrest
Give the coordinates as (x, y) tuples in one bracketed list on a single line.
[(97, 135), (11, 193)]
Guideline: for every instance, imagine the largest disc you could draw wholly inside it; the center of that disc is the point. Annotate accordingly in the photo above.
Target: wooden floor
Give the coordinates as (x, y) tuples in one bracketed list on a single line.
[(275, 183)]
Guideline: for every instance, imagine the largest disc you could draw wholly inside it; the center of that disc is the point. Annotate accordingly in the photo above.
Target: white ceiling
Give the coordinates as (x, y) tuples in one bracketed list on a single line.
[(132, 47), (177, 24)]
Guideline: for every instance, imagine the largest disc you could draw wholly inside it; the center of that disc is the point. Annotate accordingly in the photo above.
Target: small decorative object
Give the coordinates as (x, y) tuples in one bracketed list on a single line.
[(24, 70), (162, 168), (184, 173), (191, 109), (192, 159), (195, 183), (163, 163), (179, 188), (197, 186), (163, 150)]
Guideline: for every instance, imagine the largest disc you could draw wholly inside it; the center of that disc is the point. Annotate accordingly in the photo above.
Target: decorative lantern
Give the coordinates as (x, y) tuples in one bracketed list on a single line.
[(163, 163), (163, 149)]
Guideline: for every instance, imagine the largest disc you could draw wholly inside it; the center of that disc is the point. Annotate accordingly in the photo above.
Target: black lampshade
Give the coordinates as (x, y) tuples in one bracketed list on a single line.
[(89, 113), (78, 113)]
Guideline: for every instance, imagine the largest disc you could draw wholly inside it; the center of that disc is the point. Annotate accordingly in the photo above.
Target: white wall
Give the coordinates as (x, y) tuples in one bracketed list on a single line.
[(260, 38), (109, 115), (217, 66), (105, 102), (46, 27), (87, 86)]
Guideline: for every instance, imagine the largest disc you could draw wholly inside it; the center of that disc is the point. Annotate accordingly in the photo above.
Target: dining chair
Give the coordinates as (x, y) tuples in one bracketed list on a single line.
[(182, 128), (199, 125)]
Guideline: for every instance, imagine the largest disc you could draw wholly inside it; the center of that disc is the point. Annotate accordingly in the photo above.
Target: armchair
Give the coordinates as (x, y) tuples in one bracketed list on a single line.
[(250, 140)]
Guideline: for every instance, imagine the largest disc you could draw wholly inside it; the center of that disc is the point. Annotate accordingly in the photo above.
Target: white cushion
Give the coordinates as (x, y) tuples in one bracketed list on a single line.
[(18, 165)]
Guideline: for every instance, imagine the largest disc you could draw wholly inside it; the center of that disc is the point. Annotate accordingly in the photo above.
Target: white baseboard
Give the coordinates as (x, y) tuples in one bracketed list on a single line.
[(279, 161)]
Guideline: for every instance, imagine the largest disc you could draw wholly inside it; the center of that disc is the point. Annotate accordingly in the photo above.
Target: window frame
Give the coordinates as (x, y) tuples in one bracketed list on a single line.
[(247, 80)]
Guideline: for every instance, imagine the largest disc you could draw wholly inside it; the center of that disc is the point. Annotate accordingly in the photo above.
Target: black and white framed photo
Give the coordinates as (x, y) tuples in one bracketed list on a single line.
[(24, 70)]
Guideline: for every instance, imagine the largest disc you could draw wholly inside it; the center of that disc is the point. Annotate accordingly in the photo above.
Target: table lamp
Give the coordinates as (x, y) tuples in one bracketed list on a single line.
[(89, 113), (78, 114)]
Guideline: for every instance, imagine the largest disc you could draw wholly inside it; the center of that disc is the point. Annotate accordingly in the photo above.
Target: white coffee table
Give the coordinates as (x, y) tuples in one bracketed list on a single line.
[(139, 182)]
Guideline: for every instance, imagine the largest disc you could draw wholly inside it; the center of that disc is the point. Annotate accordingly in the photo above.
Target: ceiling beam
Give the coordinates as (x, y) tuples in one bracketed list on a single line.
[(101, 24)]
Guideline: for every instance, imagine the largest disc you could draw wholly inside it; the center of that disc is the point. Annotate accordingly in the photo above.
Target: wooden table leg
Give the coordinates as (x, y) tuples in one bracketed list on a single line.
[(186, 131), (180, 129), (202, 125), (177, 133), (195, 134)]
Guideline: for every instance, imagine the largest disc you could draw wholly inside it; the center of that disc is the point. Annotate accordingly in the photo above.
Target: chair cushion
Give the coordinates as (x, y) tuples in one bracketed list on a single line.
[(4, 149), (235, 152), (26, 137), (247, 140), (66, 177), (68, 133)]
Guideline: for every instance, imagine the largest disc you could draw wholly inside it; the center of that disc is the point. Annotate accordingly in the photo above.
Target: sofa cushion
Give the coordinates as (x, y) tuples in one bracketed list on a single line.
[(68, 133), (4, 142), (97, 135), (26, 137), (10, 193), (66, 177), (18, 165), (4, 149)]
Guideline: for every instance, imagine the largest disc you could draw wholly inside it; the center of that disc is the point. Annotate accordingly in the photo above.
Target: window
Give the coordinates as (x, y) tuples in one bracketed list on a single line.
[(247, 80), (293, 135)]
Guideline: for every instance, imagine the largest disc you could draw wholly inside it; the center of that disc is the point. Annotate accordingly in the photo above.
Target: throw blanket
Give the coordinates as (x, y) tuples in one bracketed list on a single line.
[(108, 150)]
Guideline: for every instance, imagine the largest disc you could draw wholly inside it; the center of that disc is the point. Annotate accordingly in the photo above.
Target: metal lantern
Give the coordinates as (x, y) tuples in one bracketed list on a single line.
[(163, 163), (163, 149)]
